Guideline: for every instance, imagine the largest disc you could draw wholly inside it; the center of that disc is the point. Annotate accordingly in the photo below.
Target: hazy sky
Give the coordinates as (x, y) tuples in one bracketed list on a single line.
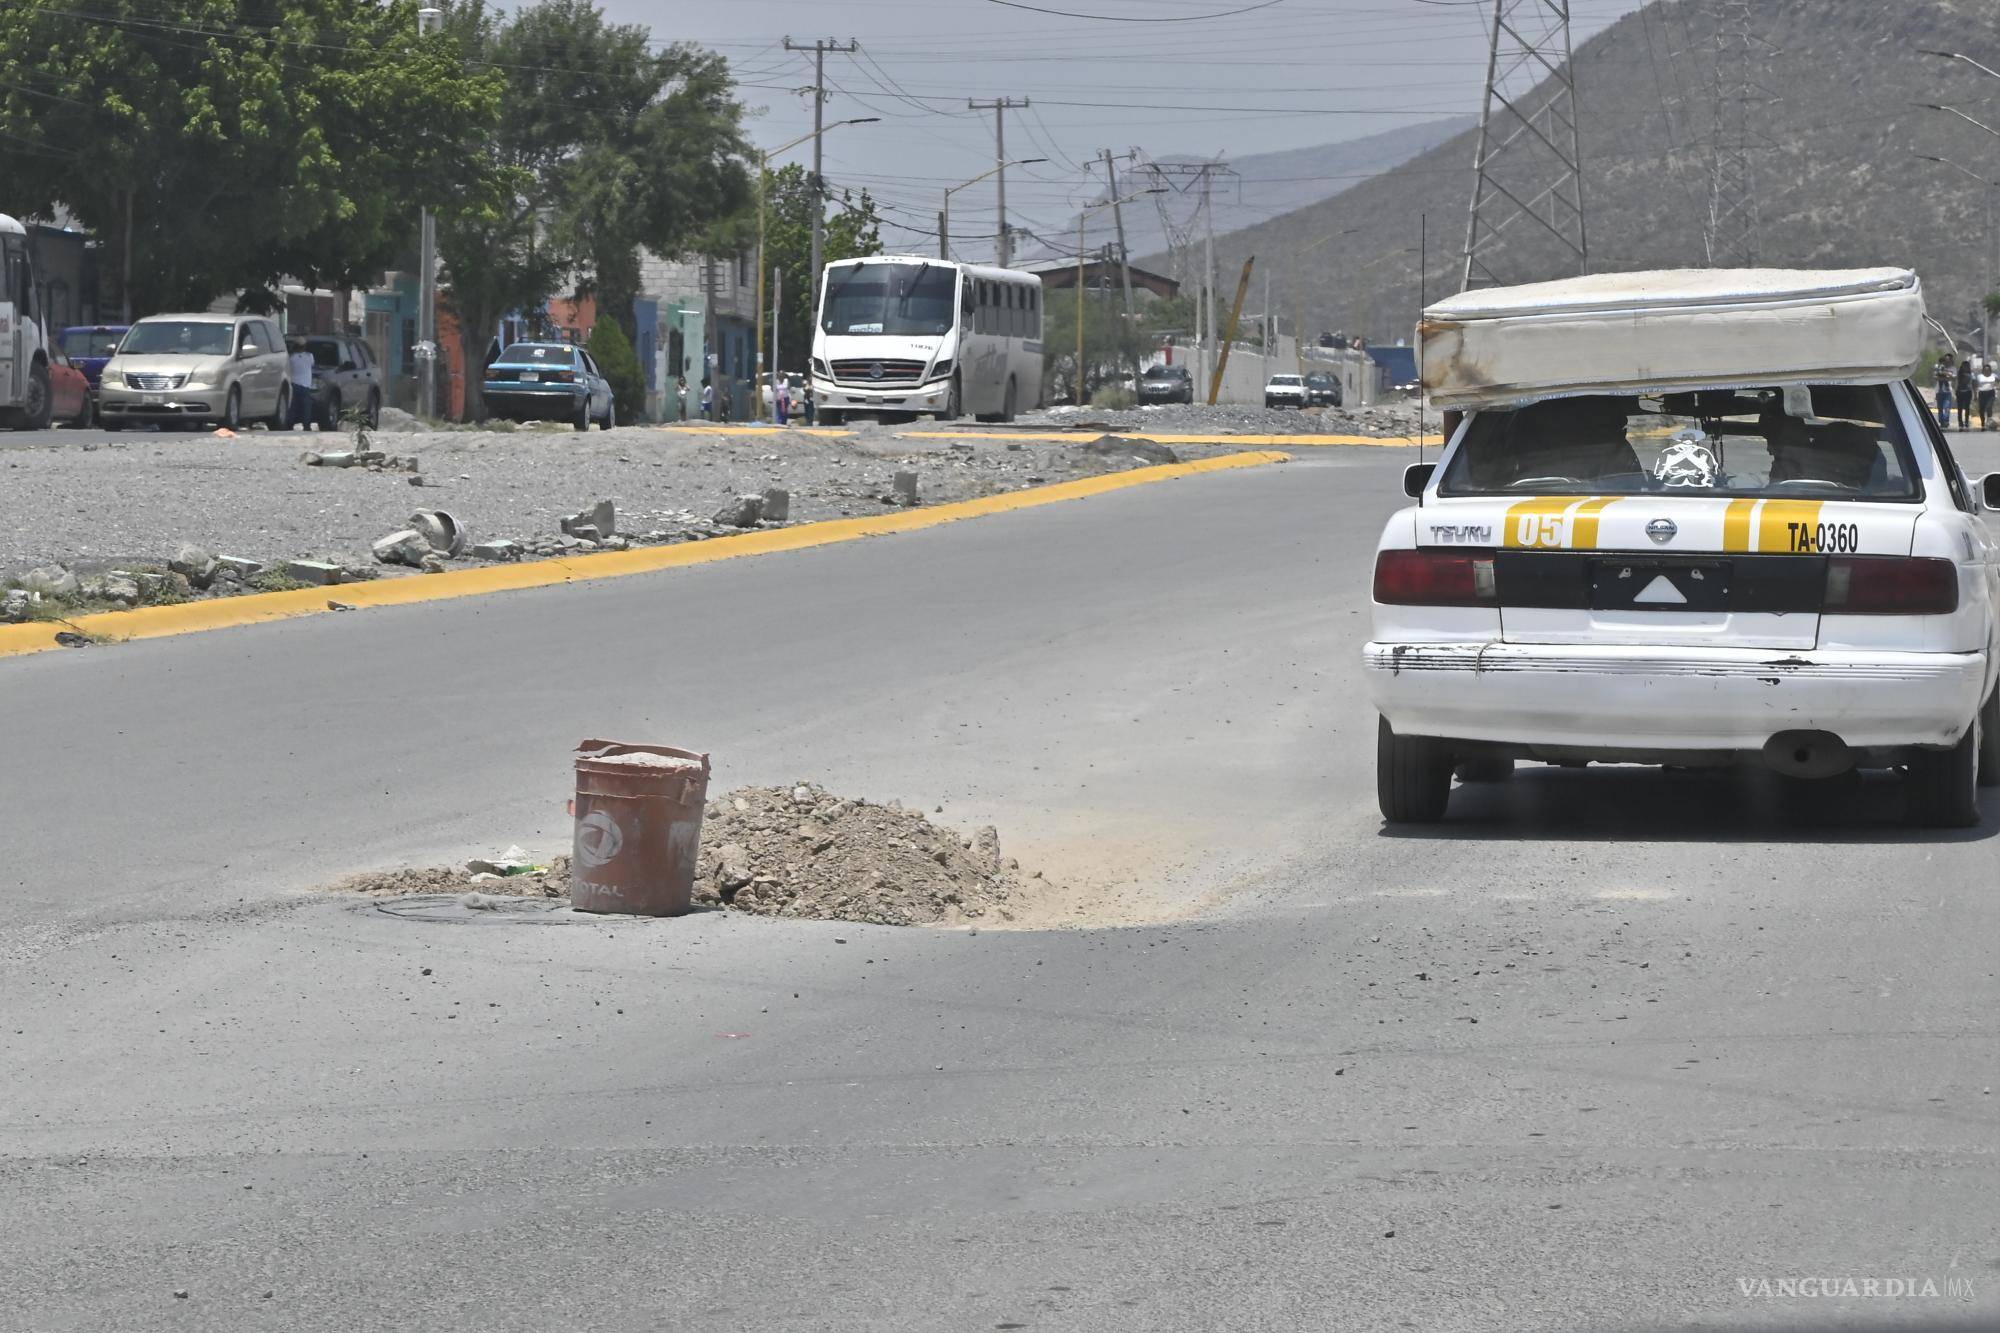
[(1290, 74)]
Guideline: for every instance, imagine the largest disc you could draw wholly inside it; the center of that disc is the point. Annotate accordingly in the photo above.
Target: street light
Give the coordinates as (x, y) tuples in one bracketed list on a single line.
[(1993, 237), (1298, 301), (812, 282), (1083, 213), (944, 215), (1959, 55), (1954, 111)]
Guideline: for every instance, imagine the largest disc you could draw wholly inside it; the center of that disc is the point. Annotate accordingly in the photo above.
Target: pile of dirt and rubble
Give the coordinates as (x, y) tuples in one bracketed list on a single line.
[(801, 851), (796, 851)]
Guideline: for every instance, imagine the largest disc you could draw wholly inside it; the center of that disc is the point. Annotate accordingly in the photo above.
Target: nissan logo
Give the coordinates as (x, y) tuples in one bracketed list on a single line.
[(1662, 530), (875, 371)]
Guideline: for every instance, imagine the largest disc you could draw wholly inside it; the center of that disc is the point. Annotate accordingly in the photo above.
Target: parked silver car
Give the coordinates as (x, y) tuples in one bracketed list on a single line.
[(346, 377), (196, 370)]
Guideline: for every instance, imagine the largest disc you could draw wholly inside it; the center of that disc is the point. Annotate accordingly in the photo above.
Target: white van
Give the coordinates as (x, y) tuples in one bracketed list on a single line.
[(1697, 518)]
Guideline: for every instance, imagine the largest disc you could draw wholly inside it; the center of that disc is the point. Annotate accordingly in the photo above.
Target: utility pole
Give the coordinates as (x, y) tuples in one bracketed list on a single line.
[(429, 20), (1000, 106), (1124, 256), (1528, 164), (819, 50), (1208, 275)]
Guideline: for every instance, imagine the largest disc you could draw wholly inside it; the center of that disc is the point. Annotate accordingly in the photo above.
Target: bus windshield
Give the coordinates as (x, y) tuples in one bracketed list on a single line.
[(901, 300)]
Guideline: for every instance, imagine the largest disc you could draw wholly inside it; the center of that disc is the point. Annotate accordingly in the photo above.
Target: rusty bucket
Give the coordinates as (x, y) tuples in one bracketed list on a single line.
[(638, 827)]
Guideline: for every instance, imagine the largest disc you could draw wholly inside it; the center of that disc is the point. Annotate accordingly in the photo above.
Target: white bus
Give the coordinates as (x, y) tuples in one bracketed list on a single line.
[(902, 335)]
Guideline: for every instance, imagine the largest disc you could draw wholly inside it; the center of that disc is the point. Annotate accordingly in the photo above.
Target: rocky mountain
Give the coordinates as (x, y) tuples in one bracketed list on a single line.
[(1837, 165)]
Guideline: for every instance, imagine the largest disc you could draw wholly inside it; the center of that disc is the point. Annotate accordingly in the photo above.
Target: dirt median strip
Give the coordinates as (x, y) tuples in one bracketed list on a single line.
[(163, 621)]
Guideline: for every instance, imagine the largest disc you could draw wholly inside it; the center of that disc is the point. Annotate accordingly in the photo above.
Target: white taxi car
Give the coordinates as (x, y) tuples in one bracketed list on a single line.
[(1697, 518)]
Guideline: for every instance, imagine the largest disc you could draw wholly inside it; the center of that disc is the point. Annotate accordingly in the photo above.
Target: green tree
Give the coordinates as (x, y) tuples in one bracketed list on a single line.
[(226, 144), (612, 351), (852, 229), (604, 146), (1110, 345)]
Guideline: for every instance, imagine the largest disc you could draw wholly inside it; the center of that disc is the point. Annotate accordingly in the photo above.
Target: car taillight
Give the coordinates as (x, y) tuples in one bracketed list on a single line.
[(559, 376), (1434, 578), (494, 373), (1891, 585)]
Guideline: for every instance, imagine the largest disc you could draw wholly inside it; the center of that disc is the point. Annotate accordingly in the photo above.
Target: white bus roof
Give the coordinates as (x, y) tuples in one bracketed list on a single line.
[(8, 224), (1669, 329), (984, 270)]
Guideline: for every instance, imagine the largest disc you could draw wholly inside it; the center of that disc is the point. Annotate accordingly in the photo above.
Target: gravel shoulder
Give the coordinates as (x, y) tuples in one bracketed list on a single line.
[(133, 500)]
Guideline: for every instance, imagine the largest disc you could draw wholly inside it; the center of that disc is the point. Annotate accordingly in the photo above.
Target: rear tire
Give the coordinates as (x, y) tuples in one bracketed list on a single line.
[(1007, 404), (1989, 740), (374, 419), (281, 415), (1485, 768), (582, 418), (232, 408), (1412, 776), (610, 421), (1942, 786)]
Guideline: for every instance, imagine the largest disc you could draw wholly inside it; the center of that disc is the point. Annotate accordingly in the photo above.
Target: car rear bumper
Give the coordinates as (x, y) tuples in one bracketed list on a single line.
[(558, 401), (1667, 699)]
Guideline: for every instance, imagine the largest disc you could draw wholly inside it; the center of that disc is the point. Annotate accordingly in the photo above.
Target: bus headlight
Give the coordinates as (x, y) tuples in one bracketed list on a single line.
[(941, 369), (819, 368)]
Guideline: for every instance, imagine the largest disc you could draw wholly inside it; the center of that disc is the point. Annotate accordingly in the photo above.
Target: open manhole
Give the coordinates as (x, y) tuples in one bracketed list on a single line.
[(461, 909)]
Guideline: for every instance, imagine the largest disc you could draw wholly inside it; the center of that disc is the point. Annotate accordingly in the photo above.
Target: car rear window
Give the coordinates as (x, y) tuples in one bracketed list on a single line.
[(325, 352), (179, 337), (90, 342), (538, 353), (1812, 442)]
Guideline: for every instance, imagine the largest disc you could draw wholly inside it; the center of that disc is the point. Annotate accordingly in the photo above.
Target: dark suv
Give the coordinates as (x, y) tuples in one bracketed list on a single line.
[(1166, 384), (1323, 389), (346, 377)]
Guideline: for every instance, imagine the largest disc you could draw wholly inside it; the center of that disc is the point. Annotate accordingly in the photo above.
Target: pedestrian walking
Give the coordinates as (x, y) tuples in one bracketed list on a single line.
[(1947, 378), (707, 401), (299, 368), (1985, 381), (811, 411), (681, 393), (781, 400), (1962, 391)]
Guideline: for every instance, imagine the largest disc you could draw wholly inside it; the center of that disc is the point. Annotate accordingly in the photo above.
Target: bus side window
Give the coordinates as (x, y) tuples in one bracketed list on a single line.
[(1020, 311), (1007, 309)]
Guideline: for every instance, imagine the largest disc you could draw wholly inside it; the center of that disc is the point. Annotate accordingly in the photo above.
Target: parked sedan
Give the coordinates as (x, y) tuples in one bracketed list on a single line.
[(194, 370), (1323, 389), (1285, 391), (346, 377), (1166, 384), (88, 347), (550, 382), (69, 391)]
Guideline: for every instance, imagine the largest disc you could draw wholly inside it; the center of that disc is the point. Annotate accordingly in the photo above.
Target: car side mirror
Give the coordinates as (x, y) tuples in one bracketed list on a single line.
[(245, 352), (348, 365), (1417, 478), (1989, 490)]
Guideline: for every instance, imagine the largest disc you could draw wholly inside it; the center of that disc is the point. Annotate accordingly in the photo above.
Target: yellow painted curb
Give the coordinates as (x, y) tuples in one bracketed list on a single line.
[(1262, 441), (153, 622)]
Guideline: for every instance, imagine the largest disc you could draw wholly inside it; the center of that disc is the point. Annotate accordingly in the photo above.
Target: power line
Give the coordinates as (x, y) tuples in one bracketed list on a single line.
[(1123, 18)]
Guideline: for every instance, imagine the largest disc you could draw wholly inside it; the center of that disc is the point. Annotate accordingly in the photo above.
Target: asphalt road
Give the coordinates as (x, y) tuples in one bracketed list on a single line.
[(1604, 1052)]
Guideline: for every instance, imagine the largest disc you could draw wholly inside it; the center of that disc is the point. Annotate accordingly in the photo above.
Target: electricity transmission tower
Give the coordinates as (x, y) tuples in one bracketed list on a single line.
[(1730, 234), (1529, 166)]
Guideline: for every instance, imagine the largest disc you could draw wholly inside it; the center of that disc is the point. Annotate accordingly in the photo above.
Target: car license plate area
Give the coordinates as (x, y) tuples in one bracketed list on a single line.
[(530, 377), (1674, 586)]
